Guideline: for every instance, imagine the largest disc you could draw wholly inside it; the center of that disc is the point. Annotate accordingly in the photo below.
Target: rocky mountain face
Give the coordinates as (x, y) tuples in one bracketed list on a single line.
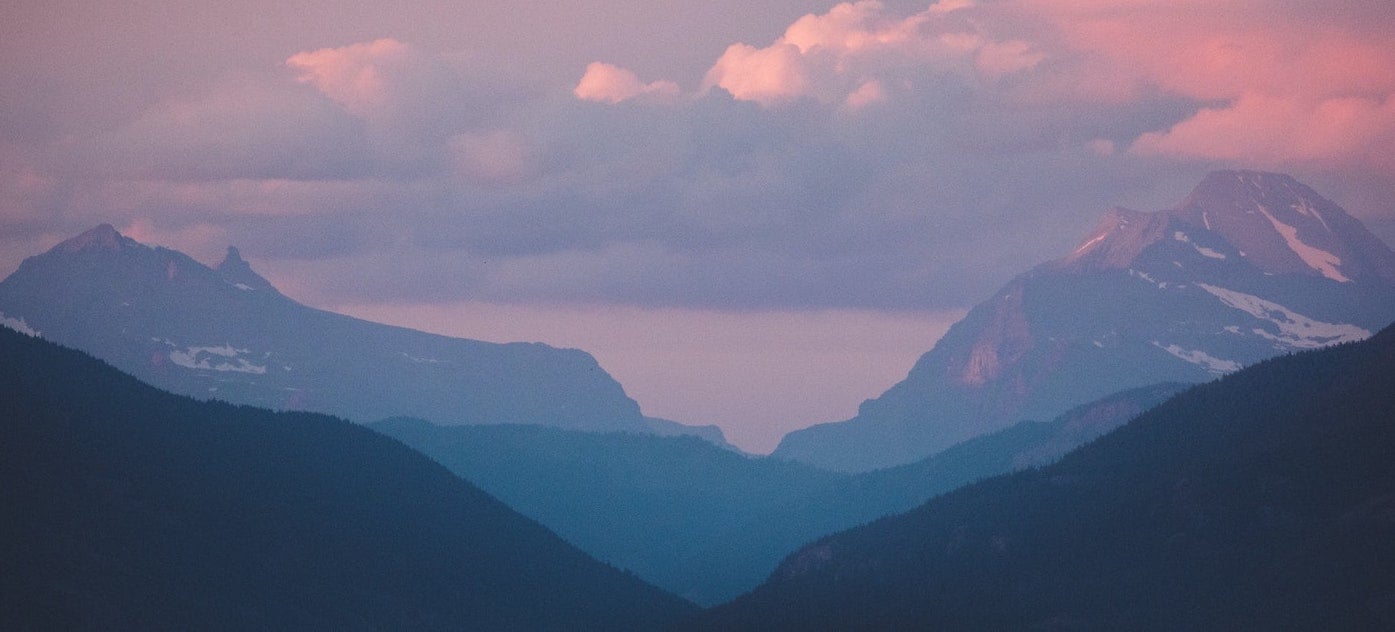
[(226, 333), (1249, 266)]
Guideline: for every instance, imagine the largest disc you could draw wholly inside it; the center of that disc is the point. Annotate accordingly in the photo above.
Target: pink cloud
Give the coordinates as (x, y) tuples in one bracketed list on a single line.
[(834, 55), (853, 27), (357, 76), (765, 75), (24, 191), (498, 157), (1222, 50), (869, 93), (996, 59), (1290, 84), (244, 126), (1271, 131), (1304, 85), (607, 83), (203, 241), (170, 200)]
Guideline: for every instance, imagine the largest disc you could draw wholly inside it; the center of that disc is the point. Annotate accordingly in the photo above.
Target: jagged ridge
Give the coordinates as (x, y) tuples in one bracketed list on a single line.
[(226, 333)]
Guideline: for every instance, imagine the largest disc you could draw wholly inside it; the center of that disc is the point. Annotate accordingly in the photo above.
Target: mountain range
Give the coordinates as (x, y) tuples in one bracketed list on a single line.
[(1250, 265), (128, 508), (1264, 500), (227, 333), (1258, 499), (709, 524)]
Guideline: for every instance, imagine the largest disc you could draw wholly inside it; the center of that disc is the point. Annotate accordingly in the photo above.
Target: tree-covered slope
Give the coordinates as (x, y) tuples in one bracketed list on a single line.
[(129, 508), (1264, 500), (707, 523)]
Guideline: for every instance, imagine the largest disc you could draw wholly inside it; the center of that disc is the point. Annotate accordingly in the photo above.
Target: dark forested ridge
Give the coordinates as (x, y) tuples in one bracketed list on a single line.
[(707, 523), (1264, 500), (129, 508), (701, 521), (1261, 500)]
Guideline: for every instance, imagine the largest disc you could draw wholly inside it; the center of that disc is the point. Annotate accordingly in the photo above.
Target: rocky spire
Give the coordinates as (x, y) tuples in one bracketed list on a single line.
[(238, 272)]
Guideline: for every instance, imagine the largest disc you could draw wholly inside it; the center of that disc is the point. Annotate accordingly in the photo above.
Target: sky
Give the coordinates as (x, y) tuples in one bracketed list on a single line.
[(754, 214)]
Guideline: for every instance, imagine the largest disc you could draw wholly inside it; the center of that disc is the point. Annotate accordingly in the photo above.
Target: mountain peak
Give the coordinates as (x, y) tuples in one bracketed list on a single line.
[(1274, 222), (1247, 267), (1247, 178), (1224, 194), (102, 238), (1283, 227), (235, 270)]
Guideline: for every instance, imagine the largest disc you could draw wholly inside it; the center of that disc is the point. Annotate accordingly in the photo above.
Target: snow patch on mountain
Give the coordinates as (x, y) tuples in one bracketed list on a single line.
[(1139, 274), (18, 325), (1304, 208), (417, 360), (1201, 358), (1205, 252), (1296, 331), (1316, 258), (217, 358)]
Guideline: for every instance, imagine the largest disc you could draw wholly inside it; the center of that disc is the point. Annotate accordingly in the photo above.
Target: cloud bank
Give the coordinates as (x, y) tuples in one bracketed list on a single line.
[(866, 155)]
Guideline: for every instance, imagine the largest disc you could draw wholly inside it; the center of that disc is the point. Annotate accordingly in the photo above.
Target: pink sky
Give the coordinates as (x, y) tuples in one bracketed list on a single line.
[(795, 182)]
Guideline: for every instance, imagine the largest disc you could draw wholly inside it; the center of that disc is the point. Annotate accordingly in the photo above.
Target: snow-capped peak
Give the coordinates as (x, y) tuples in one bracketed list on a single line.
[(1269, 220), (1284, 227)]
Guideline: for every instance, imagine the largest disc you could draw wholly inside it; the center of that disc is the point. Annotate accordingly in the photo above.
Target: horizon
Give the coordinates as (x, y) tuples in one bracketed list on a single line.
[(753, 216)]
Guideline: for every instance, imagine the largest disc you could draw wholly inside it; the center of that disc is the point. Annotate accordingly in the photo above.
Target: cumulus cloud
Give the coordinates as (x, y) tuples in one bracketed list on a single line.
[(1277, 132), (409, 95), (379, 109), (493, 157), (858, 47), (364, 78), (867, 156), (608, 83), (1278, 85), (242, 127), (766, 75), (868, 93)]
